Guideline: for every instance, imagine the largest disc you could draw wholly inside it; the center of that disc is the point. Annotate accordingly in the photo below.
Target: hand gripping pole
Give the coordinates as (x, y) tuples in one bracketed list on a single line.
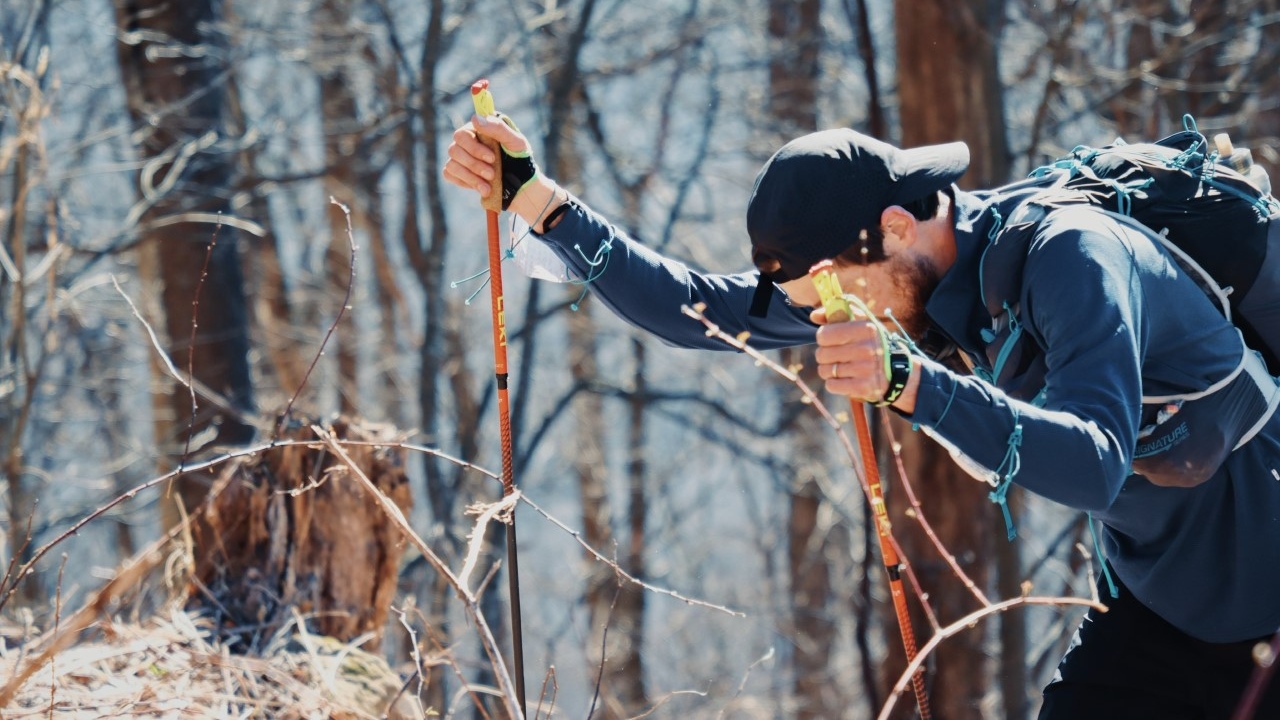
[(492, 203)]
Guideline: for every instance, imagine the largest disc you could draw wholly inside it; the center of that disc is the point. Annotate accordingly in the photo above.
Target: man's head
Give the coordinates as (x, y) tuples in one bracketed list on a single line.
[(827, 193)]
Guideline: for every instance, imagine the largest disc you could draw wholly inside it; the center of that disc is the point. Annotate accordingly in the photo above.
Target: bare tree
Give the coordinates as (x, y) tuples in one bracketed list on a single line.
[(615, 609), (25, 346), (1141, 66), (335, 50), (813, 542), (451, 397), (171, 66), (948, 89)]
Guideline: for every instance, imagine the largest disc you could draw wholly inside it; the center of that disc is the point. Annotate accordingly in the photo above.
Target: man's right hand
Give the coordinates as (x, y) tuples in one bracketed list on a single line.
[(470, 163), (470, 166)]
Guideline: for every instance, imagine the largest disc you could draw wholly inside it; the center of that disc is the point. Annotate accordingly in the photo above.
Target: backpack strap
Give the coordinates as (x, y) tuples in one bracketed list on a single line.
[(1001, 264), (1013, 358)]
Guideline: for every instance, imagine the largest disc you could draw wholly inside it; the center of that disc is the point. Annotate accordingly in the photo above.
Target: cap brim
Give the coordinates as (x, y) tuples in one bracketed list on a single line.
[(928, 169)]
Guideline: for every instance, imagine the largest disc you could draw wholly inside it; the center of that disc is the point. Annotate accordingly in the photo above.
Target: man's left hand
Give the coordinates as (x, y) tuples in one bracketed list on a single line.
[(851, 358)]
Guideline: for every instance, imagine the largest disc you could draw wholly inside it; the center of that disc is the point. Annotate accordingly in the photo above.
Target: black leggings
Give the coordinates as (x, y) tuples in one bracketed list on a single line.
[(1130, 663)]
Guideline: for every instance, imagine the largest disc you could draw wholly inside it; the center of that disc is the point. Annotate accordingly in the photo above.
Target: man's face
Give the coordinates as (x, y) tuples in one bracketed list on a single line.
[(901, 284)]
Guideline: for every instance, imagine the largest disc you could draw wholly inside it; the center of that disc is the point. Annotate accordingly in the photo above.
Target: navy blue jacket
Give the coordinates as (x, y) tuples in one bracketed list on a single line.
[(1106, 319)]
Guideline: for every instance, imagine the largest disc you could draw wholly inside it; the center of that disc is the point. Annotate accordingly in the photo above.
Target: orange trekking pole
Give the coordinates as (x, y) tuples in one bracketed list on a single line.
[(492, 203), (838, 310)]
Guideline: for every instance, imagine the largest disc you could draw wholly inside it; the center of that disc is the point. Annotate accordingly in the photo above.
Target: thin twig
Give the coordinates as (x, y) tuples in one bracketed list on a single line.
[(604, 655), (577, 535), (548, 679), (75, 529), (9, 583), (333, 327), (965, 623), (57, 620), (745, 676), (191, 342), (809, 397), (914, 581), (918, 516), (212, 396), (457, 670), (666, 699), (8, 588), (1264, 657), (417, 656)]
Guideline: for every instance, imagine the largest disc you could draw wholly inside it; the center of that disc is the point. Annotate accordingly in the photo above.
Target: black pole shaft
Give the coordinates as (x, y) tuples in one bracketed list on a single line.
[(513, 588)]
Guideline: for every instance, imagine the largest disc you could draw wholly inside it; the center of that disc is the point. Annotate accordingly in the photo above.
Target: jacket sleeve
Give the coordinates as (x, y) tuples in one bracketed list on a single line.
[(1082, 301), (648, 290)]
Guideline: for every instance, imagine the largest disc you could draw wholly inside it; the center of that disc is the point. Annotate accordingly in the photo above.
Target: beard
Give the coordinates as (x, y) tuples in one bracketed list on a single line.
[(915, 278)]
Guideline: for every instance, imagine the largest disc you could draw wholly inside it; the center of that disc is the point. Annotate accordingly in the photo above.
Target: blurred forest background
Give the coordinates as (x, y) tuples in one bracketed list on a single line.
[(165, 161)]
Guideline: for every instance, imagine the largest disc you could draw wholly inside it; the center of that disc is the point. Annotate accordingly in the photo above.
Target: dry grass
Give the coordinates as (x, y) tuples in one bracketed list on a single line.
[(174, 666)]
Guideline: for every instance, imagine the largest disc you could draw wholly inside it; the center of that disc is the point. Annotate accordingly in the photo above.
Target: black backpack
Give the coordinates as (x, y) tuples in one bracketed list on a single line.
[(1215, 220)]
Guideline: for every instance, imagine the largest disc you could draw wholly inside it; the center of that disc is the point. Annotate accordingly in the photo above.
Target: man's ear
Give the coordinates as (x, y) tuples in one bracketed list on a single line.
[(899, 227)]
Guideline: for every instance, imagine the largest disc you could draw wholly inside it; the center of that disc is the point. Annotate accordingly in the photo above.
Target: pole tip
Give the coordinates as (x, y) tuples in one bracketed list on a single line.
[(820, 266)]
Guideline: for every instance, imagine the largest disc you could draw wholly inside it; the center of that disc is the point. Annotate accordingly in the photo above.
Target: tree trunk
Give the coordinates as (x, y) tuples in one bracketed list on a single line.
[(425, 251), (284, 356), (592, 472), (296, 531), (615, 608), (19, 356), (949, 89), (627, 672), (959, 511), (176, 96), (949, 82), (392, 315), (795, 35), (810, 549), (336, 49), (1264, 121)]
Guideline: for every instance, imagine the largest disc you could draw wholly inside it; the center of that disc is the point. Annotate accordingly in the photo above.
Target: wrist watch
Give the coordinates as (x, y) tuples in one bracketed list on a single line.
[(899, 372)]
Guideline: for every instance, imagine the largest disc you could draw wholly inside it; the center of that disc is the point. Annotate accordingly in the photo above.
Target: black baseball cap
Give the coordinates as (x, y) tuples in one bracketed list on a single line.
[(814, 196)]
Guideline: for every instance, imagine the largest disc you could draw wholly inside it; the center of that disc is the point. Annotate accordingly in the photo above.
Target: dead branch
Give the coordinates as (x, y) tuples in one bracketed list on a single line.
[(918, 515), (188, 381), (577, 535), (342, 309), (965, 623), (13, 576), (9, 585), (191, 342)]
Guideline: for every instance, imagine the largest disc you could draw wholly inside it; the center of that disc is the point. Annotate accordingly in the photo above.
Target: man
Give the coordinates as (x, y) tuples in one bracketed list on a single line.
[(1086, 342)]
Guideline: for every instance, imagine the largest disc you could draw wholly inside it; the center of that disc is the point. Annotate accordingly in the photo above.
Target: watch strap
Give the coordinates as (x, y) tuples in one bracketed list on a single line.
[(899, 372)]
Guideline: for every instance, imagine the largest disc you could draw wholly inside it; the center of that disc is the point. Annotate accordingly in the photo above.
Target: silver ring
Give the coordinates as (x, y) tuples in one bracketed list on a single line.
[(835, 370)]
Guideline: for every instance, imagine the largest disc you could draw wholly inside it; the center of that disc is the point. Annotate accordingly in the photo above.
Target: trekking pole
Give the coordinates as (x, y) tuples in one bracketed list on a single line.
[(492, 204), (838, 310)]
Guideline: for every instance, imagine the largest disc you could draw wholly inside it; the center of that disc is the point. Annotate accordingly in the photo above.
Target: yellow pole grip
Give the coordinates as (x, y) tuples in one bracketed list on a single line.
[(483, 101), (828, 286)]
